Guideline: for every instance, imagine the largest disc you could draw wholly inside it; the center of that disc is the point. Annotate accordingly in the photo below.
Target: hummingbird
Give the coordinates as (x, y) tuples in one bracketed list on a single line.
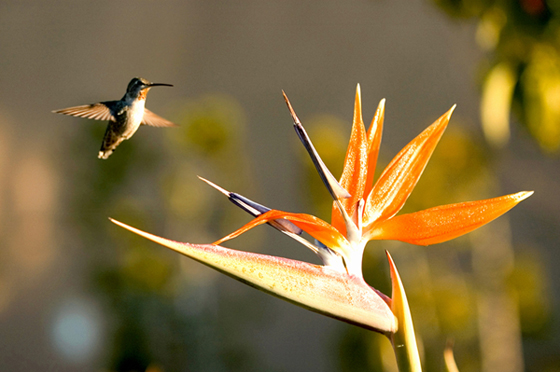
[(125, 116)]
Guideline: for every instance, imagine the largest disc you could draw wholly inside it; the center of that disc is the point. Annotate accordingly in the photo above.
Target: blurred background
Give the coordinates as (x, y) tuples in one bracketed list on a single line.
[(78, 293)]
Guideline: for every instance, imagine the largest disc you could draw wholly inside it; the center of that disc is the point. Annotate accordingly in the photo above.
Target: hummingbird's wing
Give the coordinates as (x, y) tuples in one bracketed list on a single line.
[(96, 111), (155, 120)]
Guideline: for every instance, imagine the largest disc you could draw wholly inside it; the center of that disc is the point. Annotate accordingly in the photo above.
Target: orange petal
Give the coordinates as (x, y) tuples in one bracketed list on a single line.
[(354, 176), (404, 340), (374, 141), (312, 225), (399, 178), (314, 287), (446, 222)]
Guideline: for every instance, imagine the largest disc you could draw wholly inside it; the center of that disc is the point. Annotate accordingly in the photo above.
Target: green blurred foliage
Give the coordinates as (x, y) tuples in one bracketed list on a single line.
[(211, 125), (358, 351), (521, 72), (529, 284)]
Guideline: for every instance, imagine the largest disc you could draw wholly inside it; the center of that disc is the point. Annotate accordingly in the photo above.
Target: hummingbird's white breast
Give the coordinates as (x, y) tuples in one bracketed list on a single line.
[(135, 116)]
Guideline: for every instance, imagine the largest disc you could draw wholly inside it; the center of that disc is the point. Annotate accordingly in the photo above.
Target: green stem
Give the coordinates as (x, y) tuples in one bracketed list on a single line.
[(408, 359)]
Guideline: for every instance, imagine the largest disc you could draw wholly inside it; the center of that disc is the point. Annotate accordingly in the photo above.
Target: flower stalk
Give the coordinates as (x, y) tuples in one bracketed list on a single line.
[(404, 340)]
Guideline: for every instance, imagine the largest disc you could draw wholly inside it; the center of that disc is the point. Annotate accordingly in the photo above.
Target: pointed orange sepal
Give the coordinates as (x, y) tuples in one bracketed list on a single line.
[(404, 340), (312, 225), (399, 178), (317, 288), (354, 176), (374, 135), (446, 222)]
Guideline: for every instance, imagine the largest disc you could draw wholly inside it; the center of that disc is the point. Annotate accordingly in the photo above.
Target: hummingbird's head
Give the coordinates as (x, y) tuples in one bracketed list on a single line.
[(140, 86)]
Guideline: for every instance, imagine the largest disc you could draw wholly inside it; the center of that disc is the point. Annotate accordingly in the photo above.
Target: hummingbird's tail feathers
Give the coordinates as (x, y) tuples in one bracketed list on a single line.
[(107, 150), (104, 154), (113, 137), (96, 111), (154, 120)]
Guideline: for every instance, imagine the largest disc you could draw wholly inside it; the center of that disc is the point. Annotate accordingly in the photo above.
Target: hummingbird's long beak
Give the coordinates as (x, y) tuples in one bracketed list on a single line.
[(159, 84)]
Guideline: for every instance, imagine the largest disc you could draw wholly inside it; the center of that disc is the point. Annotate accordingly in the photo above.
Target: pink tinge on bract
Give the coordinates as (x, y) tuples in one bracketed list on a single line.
[(317, 288)]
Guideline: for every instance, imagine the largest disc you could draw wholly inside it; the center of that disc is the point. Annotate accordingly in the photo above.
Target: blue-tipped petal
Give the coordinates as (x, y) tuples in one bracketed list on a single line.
[(257, 209), (335, 189), (250, 206), (254, 208)]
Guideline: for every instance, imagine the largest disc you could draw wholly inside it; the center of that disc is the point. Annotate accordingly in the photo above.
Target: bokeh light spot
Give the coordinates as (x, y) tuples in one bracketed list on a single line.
[(77, 330)]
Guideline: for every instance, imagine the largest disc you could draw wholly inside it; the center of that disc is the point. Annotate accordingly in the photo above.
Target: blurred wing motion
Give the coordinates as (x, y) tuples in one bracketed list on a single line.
[(154, 120), (96, 111)]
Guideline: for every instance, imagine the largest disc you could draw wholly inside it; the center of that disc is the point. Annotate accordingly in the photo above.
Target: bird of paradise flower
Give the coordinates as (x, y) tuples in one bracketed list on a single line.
[(362, 211)]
